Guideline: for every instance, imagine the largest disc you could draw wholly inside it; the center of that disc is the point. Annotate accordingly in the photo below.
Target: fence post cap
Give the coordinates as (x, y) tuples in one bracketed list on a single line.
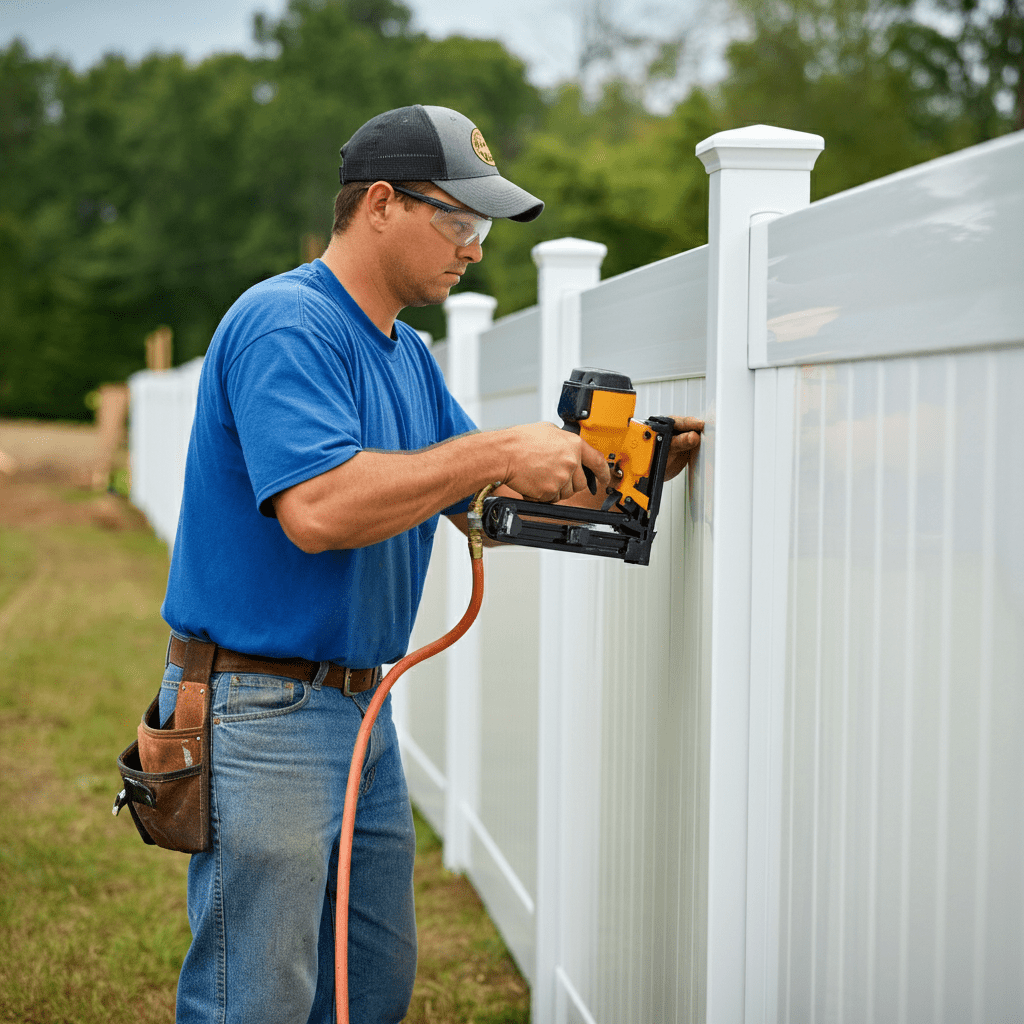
[(568, 252), (469, 301), (760, 147)]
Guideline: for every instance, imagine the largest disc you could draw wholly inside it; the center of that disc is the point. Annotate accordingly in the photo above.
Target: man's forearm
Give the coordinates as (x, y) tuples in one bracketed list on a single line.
[(377, 495)]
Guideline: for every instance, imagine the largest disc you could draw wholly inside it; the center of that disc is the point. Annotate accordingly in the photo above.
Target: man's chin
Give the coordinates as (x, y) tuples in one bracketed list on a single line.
[(432, 300)]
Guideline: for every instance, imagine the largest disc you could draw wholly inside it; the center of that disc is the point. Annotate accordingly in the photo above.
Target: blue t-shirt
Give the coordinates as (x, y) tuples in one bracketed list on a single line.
[(296, 381)]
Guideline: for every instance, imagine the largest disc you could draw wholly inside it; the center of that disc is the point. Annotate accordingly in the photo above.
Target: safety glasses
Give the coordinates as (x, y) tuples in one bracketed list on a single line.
[(457, 225)]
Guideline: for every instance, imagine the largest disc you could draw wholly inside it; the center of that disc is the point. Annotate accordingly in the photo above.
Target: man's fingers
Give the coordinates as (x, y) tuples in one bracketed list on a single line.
[(684, 424), (579, 480), (595, 462)]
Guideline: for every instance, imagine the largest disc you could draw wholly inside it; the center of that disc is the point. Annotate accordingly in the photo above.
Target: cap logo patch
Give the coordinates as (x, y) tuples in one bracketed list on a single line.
[(480, 147)]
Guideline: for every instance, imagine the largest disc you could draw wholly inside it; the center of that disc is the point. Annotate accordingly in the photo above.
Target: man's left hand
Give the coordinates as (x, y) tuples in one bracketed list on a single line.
[(685, 444)]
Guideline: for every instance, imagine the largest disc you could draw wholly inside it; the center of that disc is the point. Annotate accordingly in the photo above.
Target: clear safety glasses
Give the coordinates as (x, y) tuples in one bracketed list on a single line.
[(457, 225)]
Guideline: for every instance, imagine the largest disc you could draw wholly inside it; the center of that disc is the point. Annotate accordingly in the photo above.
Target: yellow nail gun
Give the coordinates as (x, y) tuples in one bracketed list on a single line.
[(599, 406)]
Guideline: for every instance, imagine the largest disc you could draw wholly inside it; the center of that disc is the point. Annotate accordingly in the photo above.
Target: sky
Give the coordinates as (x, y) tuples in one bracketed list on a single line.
[(545, 33)]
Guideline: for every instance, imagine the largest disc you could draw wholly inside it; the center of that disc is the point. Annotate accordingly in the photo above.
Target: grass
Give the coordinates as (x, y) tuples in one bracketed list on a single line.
[(92, 922)]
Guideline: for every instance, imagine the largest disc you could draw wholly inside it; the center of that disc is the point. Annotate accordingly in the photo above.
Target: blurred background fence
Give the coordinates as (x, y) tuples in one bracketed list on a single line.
[(776, 775)]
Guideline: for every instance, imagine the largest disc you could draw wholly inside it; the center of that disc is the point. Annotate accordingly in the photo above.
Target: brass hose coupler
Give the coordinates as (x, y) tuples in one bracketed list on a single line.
[(476, 522)]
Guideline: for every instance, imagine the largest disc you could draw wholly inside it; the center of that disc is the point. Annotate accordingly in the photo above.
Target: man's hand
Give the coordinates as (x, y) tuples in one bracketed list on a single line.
[(685, 443), (546, 464)]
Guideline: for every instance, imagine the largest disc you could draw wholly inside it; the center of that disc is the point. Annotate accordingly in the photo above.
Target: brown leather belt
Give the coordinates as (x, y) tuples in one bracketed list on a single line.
[(348, 680)]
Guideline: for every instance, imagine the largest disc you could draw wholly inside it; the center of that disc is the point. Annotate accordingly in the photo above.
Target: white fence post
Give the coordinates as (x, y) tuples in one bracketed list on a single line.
[(469, 315), (566, 267), (753, 171)]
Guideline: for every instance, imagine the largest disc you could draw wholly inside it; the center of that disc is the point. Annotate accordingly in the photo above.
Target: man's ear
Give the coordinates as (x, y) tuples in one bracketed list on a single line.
[(376, 201)]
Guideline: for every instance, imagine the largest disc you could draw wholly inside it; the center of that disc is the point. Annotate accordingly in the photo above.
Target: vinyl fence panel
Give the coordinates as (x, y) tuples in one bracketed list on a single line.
[(161, 410), (650, 323), (902, 887), (633, 848), (503, 861), (421, 699), (921, 260)]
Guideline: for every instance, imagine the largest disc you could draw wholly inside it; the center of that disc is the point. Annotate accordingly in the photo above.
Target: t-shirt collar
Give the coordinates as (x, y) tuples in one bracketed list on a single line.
[(336, 290)]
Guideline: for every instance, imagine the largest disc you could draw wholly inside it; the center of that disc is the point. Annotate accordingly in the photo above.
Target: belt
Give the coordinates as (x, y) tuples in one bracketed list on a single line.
[(348, 680)]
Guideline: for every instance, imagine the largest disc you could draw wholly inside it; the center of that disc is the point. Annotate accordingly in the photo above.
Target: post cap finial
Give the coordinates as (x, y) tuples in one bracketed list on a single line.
[(760, 147), (569, 252)]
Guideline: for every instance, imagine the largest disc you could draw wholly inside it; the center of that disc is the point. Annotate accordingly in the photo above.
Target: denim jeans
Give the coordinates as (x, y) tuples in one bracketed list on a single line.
[(261, 899)]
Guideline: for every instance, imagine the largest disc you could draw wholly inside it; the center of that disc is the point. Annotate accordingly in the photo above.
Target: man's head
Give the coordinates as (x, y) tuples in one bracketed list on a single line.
[(421, 144), (419, 192)]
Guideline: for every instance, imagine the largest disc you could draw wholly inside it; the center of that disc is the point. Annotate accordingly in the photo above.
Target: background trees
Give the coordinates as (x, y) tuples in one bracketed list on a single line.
[(140, 194)]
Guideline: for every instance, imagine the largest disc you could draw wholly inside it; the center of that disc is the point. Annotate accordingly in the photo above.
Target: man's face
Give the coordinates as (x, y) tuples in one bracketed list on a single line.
[(422, 264)]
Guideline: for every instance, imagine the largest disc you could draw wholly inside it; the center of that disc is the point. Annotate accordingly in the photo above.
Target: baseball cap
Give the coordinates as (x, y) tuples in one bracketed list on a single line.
[(439, 145)]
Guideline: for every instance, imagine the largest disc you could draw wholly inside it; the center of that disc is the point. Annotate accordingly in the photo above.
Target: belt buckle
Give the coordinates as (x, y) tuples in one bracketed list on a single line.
[(347, 679)]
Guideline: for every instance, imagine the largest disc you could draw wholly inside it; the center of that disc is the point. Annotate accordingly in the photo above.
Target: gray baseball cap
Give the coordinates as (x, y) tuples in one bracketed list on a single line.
[(440, 145)]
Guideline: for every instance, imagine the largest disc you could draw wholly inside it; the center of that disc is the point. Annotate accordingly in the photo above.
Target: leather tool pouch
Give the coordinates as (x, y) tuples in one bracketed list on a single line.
[(166, 772)]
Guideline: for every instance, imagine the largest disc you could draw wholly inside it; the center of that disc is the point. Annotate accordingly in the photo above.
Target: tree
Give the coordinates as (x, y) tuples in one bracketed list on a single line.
[(966, 63)]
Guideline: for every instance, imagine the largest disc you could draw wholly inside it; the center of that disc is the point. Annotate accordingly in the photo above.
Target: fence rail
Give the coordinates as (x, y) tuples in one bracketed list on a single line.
[(775, 776)]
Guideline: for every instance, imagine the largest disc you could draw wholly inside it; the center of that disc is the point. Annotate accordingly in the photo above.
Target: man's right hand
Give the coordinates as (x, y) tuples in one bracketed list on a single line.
[(546, 463)]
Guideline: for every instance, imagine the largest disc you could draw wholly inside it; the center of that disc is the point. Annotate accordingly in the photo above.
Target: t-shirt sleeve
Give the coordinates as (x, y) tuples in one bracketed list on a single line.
[(294, 410)]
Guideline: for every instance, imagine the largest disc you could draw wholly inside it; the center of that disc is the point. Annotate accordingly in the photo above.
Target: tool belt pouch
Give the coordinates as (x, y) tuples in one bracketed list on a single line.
[(166, 772)]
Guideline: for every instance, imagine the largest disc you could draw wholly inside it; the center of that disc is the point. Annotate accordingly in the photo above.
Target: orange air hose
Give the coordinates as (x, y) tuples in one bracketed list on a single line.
[(348, 819)]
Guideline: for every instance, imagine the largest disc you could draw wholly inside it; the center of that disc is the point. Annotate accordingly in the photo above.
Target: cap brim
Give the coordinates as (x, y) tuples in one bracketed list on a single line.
[(494, 196)]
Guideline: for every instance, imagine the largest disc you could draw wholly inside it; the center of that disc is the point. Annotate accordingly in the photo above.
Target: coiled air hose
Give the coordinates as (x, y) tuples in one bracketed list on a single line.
[(348, 820)]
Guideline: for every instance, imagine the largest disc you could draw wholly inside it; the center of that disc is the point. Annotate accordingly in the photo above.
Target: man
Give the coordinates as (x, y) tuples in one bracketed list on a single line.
[(324, 448)]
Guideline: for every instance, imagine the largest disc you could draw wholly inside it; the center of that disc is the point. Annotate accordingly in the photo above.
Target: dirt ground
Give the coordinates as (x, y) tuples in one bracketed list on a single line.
[(48, 476)]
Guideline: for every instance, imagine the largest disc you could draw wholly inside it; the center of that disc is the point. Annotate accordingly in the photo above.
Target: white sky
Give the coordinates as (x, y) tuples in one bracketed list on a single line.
[(545, 33)]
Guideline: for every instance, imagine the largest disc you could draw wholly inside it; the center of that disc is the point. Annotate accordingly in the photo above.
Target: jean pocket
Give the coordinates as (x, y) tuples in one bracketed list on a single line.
[(258, 696)]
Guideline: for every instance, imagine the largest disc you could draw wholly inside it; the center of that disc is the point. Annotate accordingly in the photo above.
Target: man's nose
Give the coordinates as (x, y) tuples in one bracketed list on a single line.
[(473, 252)]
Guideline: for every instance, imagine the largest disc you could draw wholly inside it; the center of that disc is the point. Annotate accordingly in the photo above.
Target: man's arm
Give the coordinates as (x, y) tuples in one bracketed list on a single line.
[(377, 495)]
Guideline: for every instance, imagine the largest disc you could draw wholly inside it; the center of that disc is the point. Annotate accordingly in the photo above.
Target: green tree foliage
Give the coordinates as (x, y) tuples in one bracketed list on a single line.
[(966, 64), (135, 195), (139, 194)]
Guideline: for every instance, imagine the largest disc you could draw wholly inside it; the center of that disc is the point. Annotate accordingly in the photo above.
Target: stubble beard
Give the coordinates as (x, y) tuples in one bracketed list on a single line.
[(411, 292)]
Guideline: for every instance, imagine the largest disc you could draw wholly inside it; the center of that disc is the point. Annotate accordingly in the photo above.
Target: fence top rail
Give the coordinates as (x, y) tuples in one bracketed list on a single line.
[(650, 323), (510, 353), (928, 259)]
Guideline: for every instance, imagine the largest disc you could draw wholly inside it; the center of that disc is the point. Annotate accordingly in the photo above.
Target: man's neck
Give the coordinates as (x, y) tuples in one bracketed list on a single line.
[(362, 283)]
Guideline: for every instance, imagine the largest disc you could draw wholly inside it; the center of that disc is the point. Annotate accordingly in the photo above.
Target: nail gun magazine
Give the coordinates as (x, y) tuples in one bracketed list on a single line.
[(599, 406)]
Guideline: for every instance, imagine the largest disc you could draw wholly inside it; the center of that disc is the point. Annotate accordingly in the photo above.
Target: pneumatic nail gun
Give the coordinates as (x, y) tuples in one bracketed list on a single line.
[(599, 406)]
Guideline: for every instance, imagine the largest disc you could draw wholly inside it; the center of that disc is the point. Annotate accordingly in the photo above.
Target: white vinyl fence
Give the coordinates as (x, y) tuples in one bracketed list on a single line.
[(778, 774), (161, 408)]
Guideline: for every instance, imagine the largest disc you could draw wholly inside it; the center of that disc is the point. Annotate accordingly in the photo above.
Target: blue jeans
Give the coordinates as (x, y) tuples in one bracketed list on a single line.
[(261, 899)]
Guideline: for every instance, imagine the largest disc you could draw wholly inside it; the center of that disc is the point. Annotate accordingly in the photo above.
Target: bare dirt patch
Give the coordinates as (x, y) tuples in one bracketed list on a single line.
[(26, 500), (56, 449), (47, 478)]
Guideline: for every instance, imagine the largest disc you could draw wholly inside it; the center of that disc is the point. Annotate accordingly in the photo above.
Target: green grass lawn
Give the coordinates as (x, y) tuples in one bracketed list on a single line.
[(92, 922)]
